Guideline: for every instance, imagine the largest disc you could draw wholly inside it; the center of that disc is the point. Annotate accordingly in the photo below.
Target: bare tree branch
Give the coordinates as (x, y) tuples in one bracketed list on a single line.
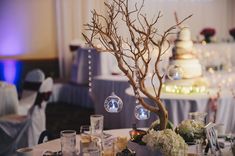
[(134, 53)]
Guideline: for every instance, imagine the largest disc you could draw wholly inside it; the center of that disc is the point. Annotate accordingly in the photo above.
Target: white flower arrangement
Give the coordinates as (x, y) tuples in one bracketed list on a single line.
[(167, 142), (191, 130)]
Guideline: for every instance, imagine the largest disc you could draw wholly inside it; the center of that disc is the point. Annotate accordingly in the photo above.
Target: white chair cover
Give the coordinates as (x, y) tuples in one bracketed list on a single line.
[(38, 116), (31, 85), (18, 131)]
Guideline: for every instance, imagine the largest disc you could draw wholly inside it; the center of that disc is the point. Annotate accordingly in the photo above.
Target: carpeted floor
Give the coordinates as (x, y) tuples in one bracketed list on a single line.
[(61, 116)]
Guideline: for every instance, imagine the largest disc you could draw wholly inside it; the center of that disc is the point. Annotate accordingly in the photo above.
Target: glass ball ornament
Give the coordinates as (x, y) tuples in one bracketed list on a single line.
[(113, 103), (174, 72), (141, 113)]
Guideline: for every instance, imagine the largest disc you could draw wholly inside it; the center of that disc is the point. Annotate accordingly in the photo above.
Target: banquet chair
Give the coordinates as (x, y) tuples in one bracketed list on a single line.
[(37, 112), (18, 131), (31, 86)]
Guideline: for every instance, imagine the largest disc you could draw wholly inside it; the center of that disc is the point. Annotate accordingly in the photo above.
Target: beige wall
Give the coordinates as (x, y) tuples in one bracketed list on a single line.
[(28, 29)]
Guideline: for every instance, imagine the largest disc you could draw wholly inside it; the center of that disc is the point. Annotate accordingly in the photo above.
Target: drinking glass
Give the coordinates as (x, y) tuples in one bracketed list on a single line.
[(88, 144), (91, 152), (85, 132), (108, 149), (26, 151), (85, 137), (97, 122), (108, 146), (68, 142)]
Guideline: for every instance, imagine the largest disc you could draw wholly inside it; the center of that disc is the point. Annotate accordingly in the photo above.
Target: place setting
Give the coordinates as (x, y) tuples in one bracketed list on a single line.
[(91, 140)]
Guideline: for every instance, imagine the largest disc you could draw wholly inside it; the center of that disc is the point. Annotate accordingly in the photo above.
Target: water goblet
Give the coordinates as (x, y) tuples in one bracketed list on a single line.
[(68, 142)]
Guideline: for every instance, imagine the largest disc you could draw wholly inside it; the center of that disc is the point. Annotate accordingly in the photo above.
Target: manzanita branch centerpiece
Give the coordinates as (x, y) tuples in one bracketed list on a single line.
[(133, 52)]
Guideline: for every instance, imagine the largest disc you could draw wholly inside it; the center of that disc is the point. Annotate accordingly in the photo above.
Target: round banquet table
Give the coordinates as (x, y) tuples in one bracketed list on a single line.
[(54, 145), (8, 99)]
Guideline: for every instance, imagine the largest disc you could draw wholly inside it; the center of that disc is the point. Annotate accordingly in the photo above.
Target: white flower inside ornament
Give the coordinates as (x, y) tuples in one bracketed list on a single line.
[(113, 103), (141, 113)]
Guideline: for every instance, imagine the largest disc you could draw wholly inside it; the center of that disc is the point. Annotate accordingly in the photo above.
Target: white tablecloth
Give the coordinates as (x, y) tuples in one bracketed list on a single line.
[(140, 150), (8, 99)]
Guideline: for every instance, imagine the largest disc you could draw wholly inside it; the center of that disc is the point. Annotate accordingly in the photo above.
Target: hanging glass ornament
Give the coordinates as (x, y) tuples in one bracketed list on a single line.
[(141, 113), (113, 103), (174, 72)]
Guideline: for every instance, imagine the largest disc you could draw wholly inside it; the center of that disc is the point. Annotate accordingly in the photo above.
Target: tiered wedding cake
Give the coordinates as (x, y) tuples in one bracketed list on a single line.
[(185, 58)]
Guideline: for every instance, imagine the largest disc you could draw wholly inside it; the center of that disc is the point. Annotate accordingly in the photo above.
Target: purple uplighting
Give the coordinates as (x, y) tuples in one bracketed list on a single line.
[(10, 71)]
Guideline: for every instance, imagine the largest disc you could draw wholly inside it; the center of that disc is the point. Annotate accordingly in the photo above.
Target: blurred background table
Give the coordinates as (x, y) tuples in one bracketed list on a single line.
[(180, 105), (8, 99)]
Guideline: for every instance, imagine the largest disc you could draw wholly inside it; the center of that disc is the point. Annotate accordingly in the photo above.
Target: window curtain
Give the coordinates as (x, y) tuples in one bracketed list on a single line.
[(72, 14)]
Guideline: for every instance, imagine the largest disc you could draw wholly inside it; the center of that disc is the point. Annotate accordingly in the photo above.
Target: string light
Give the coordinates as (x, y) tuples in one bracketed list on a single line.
[(177, 89)]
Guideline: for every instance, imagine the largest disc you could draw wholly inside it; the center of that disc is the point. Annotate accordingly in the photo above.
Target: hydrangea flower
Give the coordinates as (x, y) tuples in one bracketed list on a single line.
[(191, 130), (167, 142)]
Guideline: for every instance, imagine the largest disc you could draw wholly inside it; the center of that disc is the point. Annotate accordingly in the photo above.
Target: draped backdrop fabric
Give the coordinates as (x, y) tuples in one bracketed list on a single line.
[(73, 14)]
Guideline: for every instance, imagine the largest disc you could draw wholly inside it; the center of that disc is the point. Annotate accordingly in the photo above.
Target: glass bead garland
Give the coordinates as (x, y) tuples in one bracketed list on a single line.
[(89, 70), (140, 112)]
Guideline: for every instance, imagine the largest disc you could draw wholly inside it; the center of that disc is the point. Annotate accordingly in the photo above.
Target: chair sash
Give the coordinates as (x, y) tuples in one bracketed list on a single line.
[(42, 97)]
